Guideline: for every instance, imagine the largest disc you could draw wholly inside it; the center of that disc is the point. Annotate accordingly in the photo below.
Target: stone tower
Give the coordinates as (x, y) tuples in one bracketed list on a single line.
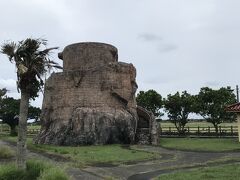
[(92, 101)]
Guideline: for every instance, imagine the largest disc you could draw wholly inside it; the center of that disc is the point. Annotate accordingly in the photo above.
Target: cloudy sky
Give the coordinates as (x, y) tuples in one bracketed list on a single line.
[(175, 45)]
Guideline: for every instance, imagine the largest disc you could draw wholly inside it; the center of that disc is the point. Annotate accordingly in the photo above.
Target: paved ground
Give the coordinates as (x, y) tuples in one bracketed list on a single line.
[(171, 160), (176, 159)]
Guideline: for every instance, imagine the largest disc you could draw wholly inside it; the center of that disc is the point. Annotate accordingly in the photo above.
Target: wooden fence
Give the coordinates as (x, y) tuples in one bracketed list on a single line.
[(223, 131), (5, 130), (202, 131)]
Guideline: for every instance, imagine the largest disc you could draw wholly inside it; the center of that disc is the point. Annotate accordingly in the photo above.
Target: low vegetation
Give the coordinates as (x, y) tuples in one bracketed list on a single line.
[(5, 152), (36, 170), (53, 174), (201, 144), (89, 155), (229, 172)]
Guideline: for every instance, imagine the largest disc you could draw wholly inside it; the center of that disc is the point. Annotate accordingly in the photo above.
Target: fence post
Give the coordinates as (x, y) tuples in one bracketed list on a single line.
[(198, 130), (170, 129), (209, 131), (220, 130), (188, 129), (232, 130)]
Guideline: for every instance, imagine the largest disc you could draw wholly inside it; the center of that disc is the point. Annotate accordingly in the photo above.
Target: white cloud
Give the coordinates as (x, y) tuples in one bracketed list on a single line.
[(175, 44)]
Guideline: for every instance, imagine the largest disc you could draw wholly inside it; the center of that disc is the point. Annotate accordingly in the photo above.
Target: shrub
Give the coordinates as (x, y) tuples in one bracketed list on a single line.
[(53, 174), (6, 152), (36, 170), (10, 172)]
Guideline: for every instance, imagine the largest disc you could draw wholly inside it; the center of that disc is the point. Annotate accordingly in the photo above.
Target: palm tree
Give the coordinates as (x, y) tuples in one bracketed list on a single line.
[(31, 63)]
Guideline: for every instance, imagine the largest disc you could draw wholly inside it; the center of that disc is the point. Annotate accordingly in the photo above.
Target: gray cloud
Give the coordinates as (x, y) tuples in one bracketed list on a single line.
[(148, 37), (212, 83), (159, 41), (167, 47)]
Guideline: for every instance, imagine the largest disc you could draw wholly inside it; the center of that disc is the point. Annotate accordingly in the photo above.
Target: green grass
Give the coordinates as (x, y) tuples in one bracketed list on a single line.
[(87, 155), (10, 172), (229, 172), (36, 170), (53, 174), (35, 127), (201, 144), (5, 152), (114, 154)]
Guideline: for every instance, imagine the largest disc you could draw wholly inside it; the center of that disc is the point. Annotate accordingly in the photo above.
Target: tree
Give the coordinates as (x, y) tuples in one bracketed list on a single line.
[(9, 113), (150, 100), (34, 112), (212, 104), (31, 63), (178, 108), (2, 93), (9, 109)]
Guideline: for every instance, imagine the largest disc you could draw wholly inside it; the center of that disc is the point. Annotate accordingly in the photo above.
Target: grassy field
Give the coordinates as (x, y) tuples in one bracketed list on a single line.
[(114, 154), (34, 127), (87, 155), (225, 172), (201, 144)]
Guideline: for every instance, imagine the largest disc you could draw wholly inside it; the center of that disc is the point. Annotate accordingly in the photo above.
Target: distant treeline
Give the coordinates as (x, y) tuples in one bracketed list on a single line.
[(210, 104)]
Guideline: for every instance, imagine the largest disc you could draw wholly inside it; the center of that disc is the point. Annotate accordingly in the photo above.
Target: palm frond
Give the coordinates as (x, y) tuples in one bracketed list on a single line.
[(9, 49), (57, 66), (31, 62), (46, 51)]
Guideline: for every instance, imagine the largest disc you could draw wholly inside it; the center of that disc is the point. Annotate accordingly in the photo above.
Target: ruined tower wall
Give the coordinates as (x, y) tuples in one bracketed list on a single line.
[(92, 101)]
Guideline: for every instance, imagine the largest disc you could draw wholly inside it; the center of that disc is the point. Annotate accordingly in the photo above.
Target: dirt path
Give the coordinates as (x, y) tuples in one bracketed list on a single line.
[(172, 160)]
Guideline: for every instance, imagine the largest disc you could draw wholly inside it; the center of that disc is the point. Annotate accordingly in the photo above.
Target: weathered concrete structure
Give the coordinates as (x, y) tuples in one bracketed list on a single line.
[(93, 100)]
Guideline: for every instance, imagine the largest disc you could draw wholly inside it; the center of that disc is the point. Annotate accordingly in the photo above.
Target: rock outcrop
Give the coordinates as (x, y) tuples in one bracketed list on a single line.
[(92, 101)]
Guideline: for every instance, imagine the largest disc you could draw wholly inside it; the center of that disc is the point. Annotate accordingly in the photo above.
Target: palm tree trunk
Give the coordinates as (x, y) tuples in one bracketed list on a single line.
[(22, 131)]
